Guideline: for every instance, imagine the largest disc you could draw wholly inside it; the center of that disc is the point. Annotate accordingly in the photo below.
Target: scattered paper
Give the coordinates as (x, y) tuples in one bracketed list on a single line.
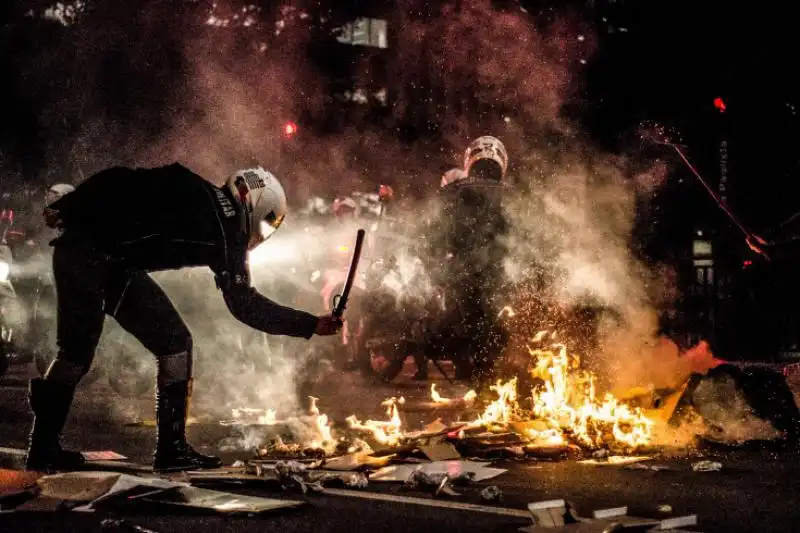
[(615, 460), (213, 500), (107, 455), (441, 451), (435, 427), (352, 461), (609, 513), (549, 513), (95, 486), (707, 466), (77, 486), (400, 473)]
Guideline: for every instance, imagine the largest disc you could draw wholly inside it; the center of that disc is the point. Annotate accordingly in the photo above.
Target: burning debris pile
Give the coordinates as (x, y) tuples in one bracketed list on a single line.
[(563, 408), (561, 416)]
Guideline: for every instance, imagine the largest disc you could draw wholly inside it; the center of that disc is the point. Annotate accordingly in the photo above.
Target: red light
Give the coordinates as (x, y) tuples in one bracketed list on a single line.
[(289, 129), (747, 263), (719, 103)]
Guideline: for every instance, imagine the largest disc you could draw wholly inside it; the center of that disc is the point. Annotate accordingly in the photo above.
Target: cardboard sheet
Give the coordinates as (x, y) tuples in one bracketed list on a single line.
[(440, 451), (13, 481), (105, 455), (95, 486), (353, 461), (400, 473), (216, 501)]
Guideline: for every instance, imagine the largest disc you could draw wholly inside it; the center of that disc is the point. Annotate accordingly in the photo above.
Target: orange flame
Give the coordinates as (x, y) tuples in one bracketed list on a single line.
[(468, 397), (565, 408), (387, 432), (567, 405)]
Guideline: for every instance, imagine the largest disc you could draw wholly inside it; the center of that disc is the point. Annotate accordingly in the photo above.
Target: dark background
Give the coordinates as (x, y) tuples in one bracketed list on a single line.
[(658, 61)]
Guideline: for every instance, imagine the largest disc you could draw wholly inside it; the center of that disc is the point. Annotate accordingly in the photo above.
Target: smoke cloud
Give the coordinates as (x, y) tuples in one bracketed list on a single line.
[(455, 72)]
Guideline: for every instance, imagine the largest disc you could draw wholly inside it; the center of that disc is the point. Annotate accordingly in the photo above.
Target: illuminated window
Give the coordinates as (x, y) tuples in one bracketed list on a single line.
[(701, 248), (704, 276), (364, 32)]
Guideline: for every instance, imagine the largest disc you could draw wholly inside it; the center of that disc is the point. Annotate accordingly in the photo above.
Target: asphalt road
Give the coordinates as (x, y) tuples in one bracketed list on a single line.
[(755, 491)]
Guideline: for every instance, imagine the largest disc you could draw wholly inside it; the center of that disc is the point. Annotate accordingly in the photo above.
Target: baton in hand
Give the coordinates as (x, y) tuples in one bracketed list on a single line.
[(341, 299)]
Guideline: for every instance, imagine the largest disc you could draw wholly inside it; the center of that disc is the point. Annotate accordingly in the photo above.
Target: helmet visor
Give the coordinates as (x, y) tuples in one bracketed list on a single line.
[(266, 228), (270, 225)]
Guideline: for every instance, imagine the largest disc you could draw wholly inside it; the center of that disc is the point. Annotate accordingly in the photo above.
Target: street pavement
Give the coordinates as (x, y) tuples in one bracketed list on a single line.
[(755, 491)]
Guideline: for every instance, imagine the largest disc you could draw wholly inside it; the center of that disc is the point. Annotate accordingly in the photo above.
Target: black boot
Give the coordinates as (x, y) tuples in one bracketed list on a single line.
[(50, 402), (173, 453)]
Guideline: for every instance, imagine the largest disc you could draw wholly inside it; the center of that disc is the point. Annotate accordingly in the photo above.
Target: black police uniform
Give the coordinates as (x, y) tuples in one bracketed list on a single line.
[(117, 226), (470, 229)]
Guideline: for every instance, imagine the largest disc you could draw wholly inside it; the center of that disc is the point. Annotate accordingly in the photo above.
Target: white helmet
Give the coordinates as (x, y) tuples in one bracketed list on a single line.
[(345, 205), (368, 202), (454, 174), (56, 192), (486, 148), (262, 200), (317, 206)]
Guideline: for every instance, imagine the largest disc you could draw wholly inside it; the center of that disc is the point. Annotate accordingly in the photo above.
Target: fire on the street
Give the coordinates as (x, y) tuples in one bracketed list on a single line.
[(386, 432), (563, 408), (568, 403)]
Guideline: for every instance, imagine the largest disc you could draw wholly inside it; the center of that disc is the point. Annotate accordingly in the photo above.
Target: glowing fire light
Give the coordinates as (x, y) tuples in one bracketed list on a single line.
[(316, 429), (386, 432), (569, 400), (504, 409), (325, 440), (566, 405), (564, 408), (468, 398), (436, 397), (289, 129)]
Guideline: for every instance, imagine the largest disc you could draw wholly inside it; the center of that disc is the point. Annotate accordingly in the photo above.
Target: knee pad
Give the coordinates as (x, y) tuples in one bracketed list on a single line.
[(175, 367), (66, 372)]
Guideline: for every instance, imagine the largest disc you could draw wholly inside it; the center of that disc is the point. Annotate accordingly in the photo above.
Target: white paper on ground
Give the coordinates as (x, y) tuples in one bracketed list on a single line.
[(127, 482), (106, 455), (453, 468), (96, 486), (615, 460)]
